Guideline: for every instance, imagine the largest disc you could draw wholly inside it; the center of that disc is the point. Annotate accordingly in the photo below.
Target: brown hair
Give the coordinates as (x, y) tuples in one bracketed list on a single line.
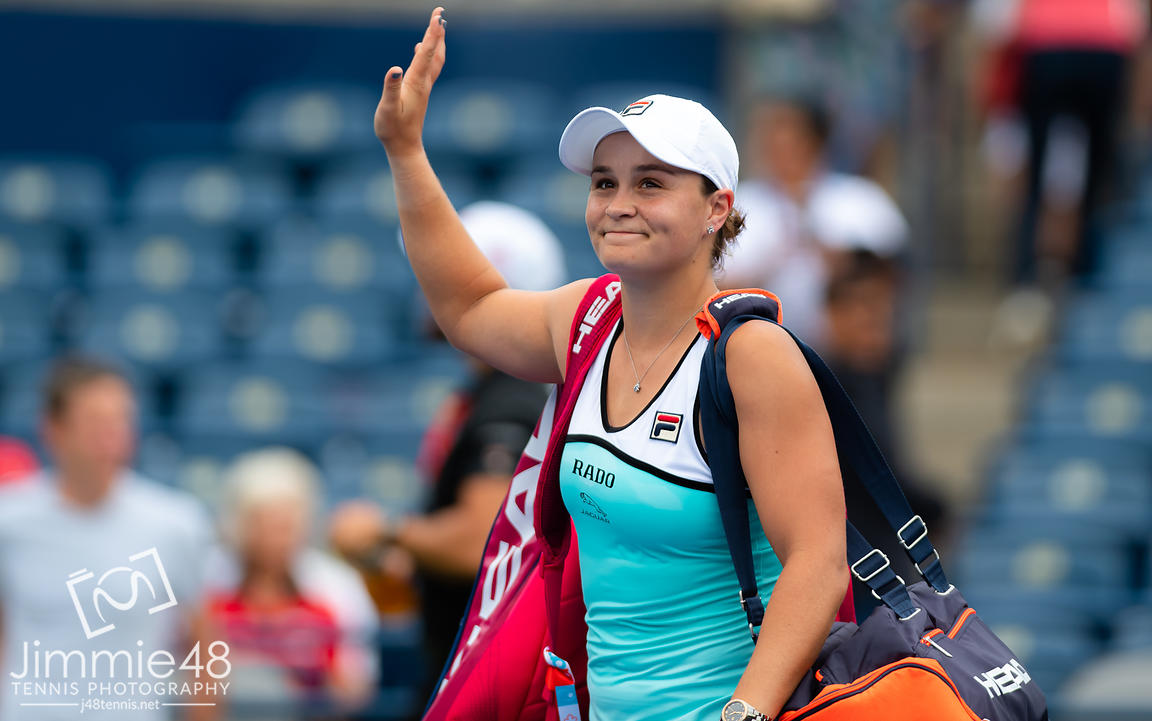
[(733, 226), (69, 375)]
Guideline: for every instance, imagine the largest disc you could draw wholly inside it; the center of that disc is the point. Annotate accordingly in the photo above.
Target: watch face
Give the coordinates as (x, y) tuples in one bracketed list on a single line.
[(734, 711)]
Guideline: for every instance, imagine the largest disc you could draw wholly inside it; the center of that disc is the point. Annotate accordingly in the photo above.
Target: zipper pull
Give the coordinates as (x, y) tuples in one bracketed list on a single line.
[(927, 640)]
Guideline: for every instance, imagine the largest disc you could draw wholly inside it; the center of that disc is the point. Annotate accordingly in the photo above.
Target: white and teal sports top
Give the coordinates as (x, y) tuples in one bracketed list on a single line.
[(667, 638)]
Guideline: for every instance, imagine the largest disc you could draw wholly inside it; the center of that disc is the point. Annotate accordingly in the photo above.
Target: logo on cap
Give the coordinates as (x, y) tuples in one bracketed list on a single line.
[(636, 108), (666, 427)]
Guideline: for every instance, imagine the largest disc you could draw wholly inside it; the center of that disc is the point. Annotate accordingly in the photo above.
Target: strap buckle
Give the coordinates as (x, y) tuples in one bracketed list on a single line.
[(870, 576), (910, 616), (936, 558), (757, 610), (875, 595), (908, 545)]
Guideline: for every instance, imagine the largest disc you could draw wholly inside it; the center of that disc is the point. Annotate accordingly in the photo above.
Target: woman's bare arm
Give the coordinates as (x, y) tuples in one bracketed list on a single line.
[(520, 332), (789, 456)]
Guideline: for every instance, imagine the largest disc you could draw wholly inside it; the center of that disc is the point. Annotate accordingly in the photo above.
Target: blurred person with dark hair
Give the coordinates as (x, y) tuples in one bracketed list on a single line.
[(468, 453), (861, 349), (68, 538), (801, 217), (299, 622)]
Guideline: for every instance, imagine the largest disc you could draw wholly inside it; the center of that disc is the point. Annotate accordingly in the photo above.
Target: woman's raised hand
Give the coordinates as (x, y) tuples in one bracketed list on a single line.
[(399, 119)]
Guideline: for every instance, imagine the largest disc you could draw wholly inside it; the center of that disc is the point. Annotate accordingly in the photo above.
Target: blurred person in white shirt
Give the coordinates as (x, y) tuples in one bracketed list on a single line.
[(101, 570), (802, 218)]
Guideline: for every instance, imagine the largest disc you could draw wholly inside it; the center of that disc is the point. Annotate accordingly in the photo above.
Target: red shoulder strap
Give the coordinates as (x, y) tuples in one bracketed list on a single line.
[(594, 319)]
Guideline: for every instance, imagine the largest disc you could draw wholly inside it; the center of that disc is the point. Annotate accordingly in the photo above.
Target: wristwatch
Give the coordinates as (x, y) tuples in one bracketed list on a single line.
[(737, 710)]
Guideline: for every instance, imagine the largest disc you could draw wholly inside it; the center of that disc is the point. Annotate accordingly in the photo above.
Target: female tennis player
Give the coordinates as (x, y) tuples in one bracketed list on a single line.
[(666, 639)]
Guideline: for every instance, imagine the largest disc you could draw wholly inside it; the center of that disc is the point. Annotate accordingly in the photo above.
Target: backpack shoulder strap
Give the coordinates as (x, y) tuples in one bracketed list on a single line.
[(859, 458)]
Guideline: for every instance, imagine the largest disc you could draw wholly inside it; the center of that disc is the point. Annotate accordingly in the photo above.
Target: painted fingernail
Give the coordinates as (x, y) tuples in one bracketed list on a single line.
[(395, 75)]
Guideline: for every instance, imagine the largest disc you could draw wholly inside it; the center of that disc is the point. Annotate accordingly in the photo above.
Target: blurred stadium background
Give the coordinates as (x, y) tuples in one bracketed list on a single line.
[(193, 187)]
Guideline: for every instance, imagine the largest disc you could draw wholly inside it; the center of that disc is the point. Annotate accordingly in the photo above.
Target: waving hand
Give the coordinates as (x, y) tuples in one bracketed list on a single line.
[(400, 114)]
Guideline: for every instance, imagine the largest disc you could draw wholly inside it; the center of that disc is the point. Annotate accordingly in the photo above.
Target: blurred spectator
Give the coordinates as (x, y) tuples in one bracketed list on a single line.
[(861, 350), (1063, 66), (860, 315), (68, 537), (802, 218), (300, 623), (468, 453), (17, 461)]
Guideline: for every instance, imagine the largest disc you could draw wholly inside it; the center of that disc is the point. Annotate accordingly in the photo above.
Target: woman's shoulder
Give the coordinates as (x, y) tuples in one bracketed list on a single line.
[(761, 348)]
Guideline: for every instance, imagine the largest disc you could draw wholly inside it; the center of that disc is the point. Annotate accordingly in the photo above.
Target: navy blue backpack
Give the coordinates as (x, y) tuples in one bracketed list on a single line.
[(923, 654)]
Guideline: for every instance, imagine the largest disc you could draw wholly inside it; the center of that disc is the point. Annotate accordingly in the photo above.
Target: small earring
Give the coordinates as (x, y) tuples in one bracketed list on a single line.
[(711, 230)]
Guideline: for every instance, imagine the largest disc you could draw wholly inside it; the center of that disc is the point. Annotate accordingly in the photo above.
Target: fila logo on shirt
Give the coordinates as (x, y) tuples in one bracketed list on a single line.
[(636, 108), (666, 427)]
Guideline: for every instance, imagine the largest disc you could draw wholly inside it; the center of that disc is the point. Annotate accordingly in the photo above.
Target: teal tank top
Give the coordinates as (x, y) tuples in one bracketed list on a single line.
[(667, 638)]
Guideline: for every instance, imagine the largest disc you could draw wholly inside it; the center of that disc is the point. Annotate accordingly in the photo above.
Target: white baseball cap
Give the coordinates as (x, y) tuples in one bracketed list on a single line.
[(525, 250), (522, 247), (680, 132)]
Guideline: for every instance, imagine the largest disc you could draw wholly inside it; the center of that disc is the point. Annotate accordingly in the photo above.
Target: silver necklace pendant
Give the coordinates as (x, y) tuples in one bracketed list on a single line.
[(628, 347)]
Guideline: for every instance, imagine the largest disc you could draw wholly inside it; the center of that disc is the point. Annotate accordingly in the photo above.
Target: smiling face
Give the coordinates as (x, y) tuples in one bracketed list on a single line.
[(645, 216)]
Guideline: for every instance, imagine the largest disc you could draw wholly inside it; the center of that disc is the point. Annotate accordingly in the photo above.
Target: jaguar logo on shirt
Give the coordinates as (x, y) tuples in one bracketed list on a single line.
[(592, 509), (666, 427)]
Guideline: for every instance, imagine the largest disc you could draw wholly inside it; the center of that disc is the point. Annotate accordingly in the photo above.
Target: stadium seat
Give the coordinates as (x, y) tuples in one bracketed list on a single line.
[(483, 118), (1038, 562), (1104, 484), (67, 191), (1110, 326), (1113, 686), (1098, 400), (554, 193), (381, 467), (308, 121), (281, 402), (161, 257), (159, 330), (25, 325), (196, 464), (31, 257), (406, 394), (1007, 607), (336, 256), (1132, 628), (319, 326), (210, 191), (1125, 259), (362, 191)]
